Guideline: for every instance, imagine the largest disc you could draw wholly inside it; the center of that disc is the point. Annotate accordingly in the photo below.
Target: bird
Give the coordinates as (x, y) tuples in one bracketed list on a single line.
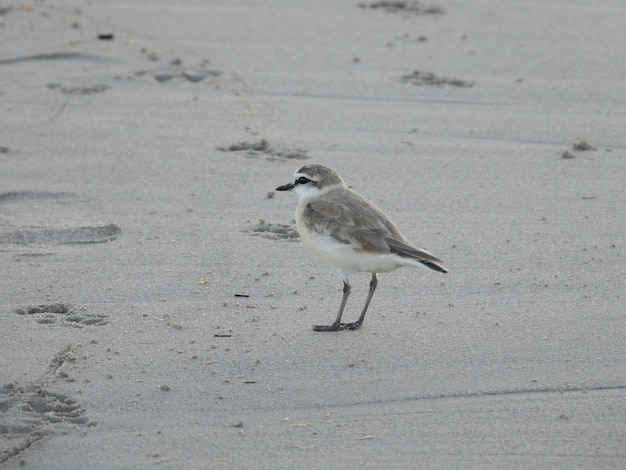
[(350, 233)]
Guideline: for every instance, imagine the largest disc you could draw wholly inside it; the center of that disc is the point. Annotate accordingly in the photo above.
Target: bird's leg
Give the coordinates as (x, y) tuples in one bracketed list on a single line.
[(337, 325), (357, 324)]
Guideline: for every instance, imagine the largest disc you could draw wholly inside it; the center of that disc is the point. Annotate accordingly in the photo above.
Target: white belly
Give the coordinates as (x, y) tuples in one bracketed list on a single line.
[(345, 258)]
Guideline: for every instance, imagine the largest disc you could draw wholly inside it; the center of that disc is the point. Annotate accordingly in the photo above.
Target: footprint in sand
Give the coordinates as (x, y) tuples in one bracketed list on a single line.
[(44, 221), (76, 90), (403, 6), (61, 236), (263, 148), (32, 411), (430, 79), (176, 70), (61, 314), (274, 231)]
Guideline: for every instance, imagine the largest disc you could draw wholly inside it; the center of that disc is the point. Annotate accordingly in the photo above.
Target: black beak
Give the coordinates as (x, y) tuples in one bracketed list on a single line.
[(286, 187)]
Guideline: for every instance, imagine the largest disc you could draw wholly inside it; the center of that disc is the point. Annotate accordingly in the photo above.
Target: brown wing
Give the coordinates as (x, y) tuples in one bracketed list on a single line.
[(350, 218)]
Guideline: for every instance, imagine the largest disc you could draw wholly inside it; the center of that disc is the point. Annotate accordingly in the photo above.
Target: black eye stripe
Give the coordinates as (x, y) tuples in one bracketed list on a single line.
[(303, 180)]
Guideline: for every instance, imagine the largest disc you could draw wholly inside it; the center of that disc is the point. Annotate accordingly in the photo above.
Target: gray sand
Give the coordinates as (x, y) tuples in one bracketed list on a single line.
[(136, 203)]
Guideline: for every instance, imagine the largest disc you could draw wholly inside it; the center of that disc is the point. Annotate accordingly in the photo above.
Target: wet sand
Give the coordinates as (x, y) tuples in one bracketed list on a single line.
[(156, 304)]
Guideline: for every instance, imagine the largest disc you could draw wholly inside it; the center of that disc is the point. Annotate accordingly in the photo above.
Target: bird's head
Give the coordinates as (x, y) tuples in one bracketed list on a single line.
[(312, 180)]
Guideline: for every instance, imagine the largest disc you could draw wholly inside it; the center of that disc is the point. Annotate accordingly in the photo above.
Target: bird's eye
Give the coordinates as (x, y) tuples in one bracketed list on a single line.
[(303, 180)]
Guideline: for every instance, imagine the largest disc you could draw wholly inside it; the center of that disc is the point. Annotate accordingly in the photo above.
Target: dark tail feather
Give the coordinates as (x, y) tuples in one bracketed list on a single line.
[(435, 266), (420, 255)]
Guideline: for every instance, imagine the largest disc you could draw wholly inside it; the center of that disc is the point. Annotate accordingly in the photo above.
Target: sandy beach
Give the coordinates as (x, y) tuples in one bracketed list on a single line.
[(156, 304)]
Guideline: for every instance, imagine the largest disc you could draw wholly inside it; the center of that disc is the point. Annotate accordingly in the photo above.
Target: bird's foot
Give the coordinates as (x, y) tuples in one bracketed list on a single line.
[(351, 326), (337, 327), (333, 327)]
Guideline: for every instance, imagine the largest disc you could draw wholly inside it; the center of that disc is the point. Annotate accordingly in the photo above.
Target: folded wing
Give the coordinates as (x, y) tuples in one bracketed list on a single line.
[(349, 218)]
